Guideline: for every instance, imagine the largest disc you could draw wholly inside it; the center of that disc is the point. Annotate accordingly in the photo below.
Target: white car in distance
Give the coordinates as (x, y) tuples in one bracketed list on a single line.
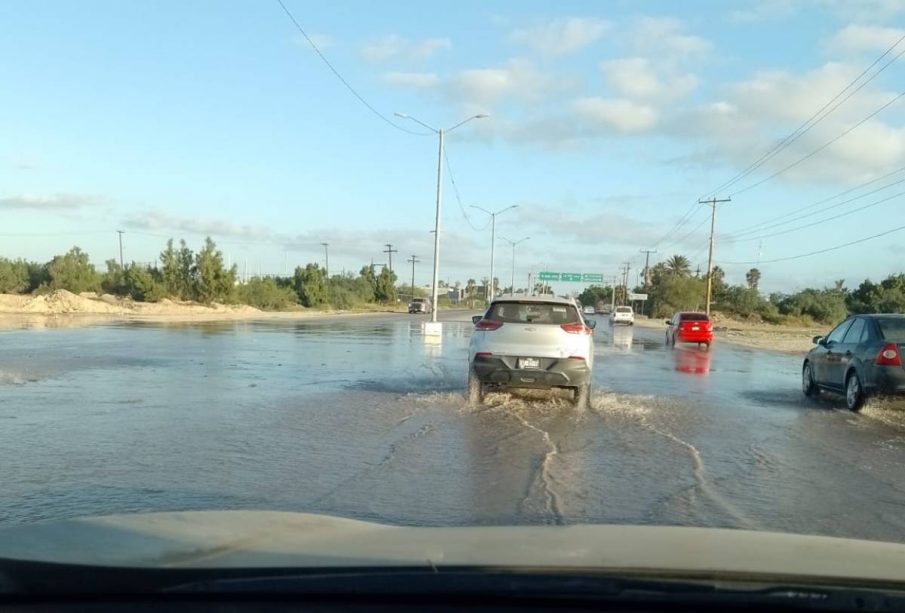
[(623, 315), (537, 342)]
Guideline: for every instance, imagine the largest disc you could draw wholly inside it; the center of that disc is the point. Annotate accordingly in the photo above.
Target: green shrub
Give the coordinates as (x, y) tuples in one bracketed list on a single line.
[(266, 294)]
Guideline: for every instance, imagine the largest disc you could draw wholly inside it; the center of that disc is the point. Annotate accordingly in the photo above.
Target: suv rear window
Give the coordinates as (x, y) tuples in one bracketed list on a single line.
[(533, 313), (893, 330), (623, 309), (693, 317)]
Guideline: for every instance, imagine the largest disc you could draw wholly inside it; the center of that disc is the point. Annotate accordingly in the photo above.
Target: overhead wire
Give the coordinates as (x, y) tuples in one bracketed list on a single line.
[(768, 223), (816, 118), (819, 251), (820, 148), (455, 187), (815, 223), (342, 79)]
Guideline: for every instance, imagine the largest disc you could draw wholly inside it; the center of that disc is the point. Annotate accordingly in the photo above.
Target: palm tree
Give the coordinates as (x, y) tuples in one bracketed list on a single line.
[(679, 265)]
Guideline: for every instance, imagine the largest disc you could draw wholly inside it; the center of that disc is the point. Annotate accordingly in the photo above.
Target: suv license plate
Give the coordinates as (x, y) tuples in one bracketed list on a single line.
[(695, 328), (529, 363)]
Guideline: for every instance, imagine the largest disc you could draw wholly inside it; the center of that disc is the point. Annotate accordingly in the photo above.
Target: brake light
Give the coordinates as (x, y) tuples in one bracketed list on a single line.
[(889, 356), (488, 324), (575, 328), (482, 353), (576, 357)]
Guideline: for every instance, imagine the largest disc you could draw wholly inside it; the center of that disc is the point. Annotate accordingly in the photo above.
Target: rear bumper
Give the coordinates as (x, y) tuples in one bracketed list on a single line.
[(888, 380), (622, 320), (553, 372), (695, 337)]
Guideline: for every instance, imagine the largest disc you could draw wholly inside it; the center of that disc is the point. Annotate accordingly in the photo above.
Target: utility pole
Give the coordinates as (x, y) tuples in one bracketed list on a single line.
[(613, 293), (530, 288), (625, 268), (120, 232), (326, 259), (390, 251), (414, 259), (712, 202), (647, 253)]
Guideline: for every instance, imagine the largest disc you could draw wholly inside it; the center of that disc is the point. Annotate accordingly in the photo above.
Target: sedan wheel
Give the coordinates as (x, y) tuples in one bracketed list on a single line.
[(807, 381), (854, 393)]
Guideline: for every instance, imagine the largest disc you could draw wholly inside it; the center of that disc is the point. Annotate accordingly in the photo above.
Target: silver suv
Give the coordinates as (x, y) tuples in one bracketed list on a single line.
[(537, 342)]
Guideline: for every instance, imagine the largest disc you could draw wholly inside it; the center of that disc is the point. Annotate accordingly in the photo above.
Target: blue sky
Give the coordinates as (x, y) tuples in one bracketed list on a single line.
[(607, 121)]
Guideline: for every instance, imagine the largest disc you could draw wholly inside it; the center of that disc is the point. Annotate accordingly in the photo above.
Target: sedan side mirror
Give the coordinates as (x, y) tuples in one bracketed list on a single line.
[(476, 318), (818, 340), (668, 322), (591, 323)]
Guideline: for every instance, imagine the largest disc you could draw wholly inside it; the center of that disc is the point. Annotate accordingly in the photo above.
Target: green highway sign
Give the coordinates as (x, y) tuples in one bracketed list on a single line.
[(576, 277)]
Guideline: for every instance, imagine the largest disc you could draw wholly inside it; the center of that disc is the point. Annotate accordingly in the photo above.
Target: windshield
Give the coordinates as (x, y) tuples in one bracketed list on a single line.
[(426, 264), (533, 313)]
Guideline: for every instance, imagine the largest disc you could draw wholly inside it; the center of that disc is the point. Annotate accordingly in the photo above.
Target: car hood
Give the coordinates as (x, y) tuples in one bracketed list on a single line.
[(233, 539)]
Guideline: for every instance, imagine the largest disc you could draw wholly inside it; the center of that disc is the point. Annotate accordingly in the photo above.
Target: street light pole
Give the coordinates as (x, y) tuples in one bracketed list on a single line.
[(326, 260), (514, 243), (439, 133), (489, 294)]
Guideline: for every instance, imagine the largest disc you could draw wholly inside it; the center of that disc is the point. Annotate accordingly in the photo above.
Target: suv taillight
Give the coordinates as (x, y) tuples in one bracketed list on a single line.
[(889, 356), (575, 328), (487, 325)]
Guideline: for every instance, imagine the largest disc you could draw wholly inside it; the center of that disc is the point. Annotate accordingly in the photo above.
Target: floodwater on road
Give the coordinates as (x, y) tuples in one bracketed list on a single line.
[(364, 417)]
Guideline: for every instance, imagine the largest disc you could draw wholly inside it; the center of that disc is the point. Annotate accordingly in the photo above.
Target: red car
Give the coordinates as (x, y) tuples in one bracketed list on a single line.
[(689, 327)]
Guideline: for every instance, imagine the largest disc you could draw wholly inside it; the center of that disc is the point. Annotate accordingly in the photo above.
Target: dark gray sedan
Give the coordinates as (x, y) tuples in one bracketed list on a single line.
[(860, 357)]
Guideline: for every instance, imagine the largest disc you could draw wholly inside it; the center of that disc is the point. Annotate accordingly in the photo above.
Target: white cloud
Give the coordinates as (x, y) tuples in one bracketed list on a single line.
[(856, 38), (609, 115), (561, 36), (397, 47), (756, 113), (656, 35), (636, 77), (60, 201), (411, 80), (157, 220)]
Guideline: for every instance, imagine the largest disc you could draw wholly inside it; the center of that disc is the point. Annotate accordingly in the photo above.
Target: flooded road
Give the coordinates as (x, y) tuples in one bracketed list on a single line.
[(364, 417)]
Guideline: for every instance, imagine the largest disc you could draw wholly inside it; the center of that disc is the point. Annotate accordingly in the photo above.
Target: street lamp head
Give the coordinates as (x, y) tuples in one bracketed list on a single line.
[(481, 116), (402, 115)]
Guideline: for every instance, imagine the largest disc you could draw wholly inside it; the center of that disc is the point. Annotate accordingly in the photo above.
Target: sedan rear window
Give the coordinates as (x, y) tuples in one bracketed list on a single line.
[(533, 313), (893, 330), (693, 317), (623, 309)]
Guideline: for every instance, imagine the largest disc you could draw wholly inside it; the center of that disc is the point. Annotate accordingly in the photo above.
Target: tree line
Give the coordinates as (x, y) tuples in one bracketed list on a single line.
[(185, 275), (671, 286)]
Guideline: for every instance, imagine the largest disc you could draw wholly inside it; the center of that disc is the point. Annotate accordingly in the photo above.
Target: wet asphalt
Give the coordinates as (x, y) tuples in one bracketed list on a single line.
[(364, 417)]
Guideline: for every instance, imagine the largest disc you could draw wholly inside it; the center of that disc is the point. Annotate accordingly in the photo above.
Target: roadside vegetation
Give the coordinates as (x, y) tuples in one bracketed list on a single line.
[(185, 275), (674, 287)]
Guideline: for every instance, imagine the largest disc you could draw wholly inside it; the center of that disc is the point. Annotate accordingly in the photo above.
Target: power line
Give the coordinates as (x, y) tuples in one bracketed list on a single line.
[(760, 226), (682, 221), (455, 187), (685, 236), (343, 80), (816, 118), (820, 148), (818, 252), (817, 223)]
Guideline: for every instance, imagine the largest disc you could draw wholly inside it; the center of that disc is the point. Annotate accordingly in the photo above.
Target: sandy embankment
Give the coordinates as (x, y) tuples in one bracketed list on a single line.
[(62, 308), (787, 339)]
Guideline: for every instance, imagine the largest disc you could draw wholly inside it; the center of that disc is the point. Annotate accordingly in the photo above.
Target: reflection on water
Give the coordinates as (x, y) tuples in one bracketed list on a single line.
[(692, 360), (621, 336)]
